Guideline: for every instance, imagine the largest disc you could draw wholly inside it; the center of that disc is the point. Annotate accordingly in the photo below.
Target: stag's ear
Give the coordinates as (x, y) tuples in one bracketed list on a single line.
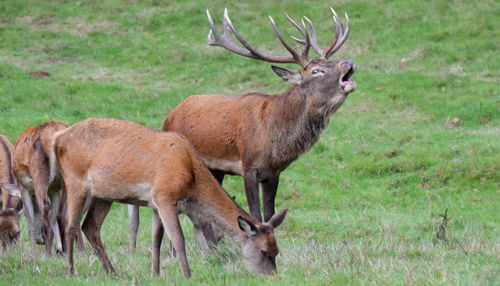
[(277, 218), (12, 189), (247, 226), (287, 75)]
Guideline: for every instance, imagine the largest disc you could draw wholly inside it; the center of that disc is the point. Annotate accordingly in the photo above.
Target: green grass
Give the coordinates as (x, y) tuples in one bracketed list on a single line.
[(364, 202)]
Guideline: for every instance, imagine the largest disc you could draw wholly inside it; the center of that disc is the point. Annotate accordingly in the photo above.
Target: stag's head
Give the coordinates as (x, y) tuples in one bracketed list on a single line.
[(9, 221), (320, 77), (259, 246)]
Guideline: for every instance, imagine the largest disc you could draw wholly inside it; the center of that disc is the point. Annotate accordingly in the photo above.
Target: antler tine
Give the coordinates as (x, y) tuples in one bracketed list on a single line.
[(213, 30), (239, 37), (343, 38), (314, 38), (307, 42), (226, 41), (224, 22), (339, 34), (299, 58)]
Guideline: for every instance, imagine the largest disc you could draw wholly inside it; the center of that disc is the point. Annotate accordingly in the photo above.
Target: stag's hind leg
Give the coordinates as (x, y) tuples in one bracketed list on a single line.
[(92, 229)]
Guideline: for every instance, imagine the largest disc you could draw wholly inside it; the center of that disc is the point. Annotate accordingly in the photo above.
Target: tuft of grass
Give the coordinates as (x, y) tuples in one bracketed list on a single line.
[(419, 136)]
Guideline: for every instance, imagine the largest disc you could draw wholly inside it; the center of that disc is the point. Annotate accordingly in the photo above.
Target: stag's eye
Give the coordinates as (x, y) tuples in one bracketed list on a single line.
[(316, 71), (264, 253)]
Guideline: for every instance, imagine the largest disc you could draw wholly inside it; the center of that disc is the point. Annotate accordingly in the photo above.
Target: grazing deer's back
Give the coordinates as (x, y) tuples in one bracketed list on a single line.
[(34, 144), (114, 150), (5, 161), (6, 175)]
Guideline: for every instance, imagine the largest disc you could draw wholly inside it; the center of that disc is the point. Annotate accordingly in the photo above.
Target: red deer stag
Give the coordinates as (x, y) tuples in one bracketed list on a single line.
[(30, 166), (106, 160), (258, 135), (11, 202)]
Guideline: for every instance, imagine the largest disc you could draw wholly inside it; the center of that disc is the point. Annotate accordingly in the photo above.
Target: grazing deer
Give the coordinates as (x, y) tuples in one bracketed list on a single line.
[(30, 166), (106, 160), (258, 135), (11, 202)]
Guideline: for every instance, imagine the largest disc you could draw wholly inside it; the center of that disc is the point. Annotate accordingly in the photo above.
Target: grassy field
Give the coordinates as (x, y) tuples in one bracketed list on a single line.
[(419, 136)]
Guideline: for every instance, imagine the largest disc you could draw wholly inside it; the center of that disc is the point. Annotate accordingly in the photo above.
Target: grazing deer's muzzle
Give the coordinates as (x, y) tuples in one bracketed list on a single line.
[(345, 82), (9, 227)]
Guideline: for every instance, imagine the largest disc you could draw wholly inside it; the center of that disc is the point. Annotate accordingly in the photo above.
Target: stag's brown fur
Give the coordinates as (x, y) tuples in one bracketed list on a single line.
[(117, 161), (32, 170), (258, 135)]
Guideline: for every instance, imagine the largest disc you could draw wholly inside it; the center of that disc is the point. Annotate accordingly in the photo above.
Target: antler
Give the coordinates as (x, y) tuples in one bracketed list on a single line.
[(340, 33), (225, 41)]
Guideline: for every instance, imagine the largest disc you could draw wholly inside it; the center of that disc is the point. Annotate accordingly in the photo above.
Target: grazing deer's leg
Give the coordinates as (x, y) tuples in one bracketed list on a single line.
[(133, 222), (269, 189), (172, 249), (79, 236), (40, 183), (208, 234), (75, 202), (79, 241), (252, 192), (157, 238), (204, 235), (92, 229), (219, 176), (170, 220), (198, 235), (55, 203), (30, 218)]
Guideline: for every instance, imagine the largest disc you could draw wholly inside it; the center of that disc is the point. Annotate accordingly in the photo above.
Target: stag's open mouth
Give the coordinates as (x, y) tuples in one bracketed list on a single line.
[(346, 83)]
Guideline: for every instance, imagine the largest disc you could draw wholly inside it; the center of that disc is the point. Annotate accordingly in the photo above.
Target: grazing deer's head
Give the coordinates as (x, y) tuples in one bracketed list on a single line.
[(260, 248), (318, 77), (9, 221)]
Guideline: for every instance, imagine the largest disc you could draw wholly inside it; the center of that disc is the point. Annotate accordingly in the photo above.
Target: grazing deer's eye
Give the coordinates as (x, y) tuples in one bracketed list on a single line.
[(264, 253), (316, 71)]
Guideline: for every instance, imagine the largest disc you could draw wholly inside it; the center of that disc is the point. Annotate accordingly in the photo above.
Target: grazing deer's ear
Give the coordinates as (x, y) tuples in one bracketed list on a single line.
[(287, 75), (277, 218), (247, 226), (12, 189)]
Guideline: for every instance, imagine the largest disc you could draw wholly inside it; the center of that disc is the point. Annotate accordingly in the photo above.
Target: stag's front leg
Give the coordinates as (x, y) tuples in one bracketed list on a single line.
[(269, 189), (133, 222), (252, 192)]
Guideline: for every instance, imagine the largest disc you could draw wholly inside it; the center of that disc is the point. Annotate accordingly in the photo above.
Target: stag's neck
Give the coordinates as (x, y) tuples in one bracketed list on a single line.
[(295, 122)]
